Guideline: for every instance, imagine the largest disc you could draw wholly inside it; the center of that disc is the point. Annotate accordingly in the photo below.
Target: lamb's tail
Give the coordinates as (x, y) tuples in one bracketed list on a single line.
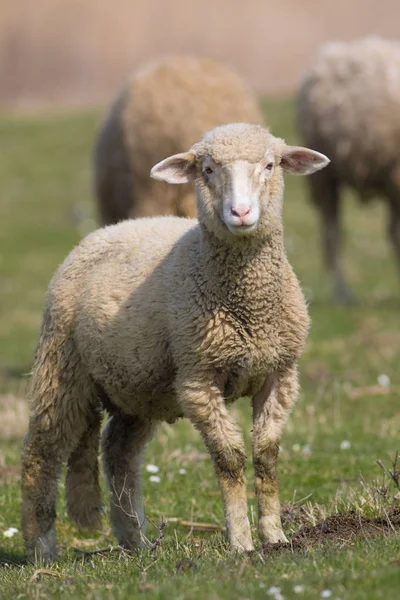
[(83, 495)]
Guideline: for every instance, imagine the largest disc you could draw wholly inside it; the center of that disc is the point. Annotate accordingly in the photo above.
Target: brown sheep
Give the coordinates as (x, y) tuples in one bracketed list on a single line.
[(349, 108), (164, 107)]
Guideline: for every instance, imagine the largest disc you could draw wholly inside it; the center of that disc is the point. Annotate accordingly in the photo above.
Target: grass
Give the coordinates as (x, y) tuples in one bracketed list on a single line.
[(45, 208)]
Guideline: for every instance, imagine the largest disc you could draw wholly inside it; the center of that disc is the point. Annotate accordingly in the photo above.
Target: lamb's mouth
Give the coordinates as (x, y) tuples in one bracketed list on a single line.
[(241, 228)]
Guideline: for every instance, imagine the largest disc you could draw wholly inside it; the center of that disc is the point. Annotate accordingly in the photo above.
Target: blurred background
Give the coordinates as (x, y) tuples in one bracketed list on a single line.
[(76, 52), (62, 62)]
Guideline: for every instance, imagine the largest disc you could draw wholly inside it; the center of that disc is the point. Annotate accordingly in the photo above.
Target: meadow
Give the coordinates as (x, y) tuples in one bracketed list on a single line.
[(347, 417)]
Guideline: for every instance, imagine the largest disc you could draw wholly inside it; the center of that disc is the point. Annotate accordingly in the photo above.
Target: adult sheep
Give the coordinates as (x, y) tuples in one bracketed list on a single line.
[(348, 107), (163, 108), (156, 319)]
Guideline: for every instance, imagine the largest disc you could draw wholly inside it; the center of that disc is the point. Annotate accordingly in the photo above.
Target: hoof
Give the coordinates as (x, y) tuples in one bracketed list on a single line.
[(270, 532), (43, 549), (242, 545)]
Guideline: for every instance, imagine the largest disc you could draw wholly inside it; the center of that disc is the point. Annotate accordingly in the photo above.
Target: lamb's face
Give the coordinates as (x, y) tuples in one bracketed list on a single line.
[(238, 172), (240, 197)]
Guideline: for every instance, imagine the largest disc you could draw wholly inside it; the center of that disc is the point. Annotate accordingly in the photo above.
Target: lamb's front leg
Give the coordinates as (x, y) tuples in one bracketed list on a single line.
[(271, 408), (202, 402)]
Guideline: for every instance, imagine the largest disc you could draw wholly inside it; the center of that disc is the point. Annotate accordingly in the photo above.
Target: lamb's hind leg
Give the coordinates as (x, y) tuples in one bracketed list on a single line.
[(271, 407), (124, 440), (82, 488), (203, 403), (41, 466), (58, 422)]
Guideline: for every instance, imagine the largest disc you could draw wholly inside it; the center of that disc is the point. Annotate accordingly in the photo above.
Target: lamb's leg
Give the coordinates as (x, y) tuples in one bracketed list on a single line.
[(203, 403), (325, 194), (51, 437), (41, 467), (271, 407), (82, 488), (124, 440), (63, 404)]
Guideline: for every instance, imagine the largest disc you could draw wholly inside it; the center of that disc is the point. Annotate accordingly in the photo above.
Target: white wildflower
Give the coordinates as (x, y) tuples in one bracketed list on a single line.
[(326, 593), (306, 450), (345, 445), (299, 589), (152, 469), (182, 471), (9, 533), (154, 478), (280, 448), (384, 380), (273, 590)]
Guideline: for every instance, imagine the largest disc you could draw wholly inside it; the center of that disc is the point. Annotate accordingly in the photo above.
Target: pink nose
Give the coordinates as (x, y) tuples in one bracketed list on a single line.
[(241, 212)]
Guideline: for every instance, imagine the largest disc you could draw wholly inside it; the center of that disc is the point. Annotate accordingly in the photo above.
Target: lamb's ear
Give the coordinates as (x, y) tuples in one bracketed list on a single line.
[(302, 161), (179, 168)]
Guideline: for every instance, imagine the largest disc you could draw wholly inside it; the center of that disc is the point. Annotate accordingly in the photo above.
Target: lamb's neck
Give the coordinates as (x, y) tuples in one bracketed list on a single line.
[(248, 273)]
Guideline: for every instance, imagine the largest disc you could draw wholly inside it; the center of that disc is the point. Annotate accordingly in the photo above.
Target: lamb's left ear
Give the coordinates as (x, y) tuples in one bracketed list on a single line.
[(302, 161), (179, 168)]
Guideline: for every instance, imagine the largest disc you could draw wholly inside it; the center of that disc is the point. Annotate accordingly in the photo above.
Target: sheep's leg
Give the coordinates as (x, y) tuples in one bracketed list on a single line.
[(51, 437), (271, 407), (203, 403), (63, 409), (83, 495), (41, 467), (124, 440), (325, 194)]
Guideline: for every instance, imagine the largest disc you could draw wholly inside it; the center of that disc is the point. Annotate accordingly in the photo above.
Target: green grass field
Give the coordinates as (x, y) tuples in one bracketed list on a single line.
[(344, 420)]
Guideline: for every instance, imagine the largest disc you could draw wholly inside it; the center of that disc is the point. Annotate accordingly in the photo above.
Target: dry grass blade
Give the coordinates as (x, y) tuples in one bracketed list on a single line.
[(39, 572), (195, 525), (394, 473), (156, 543), (88, 543), (108, 550), (371, 390)]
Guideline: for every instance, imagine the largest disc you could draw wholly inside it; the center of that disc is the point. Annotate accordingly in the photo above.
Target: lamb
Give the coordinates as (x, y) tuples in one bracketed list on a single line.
[(348, 108), (165, 107), (159, 318)]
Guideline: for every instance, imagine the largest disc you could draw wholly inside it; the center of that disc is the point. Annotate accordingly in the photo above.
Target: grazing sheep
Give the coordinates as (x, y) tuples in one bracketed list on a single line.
[(163, 108), (348, 107), (160, 318)]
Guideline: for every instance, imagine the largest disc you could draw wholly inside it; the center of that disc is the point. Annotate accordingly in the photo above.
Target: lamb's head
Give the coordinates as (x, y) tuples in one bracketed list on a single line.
[(238, 172)]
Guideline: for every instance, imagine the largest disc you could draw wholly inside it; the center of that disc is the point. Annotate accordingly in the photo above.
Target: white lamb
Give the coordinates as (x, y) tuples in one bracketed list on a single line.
[(159, 318)]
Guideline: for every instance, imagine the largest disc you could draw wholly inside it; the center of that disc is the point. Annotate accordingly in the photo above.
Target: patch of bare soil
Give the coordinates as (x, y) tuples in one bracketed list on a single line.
[(342, 528)]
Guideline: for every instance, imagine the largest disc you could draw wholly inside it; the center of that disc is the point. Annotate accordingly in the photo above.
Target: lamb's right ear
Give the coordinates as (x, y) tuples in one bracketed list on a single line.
[(179, 168)]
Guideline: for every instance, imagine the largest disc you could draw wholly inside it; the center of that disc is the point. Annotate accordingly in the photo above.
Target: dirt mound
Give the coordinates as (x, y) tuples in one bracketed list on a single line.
[(342, 528)]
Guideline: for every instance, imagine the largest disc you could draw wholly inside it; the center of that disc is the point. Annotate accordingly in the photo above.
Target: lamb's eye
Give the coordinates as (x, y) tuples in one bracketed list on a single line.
[(269, 166), (208, 170)]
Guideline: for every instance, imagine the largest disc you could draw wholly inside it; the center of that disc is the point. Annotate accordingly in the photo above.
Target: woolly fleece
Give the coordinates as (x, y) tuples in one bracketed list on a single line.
[(165, 107)]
